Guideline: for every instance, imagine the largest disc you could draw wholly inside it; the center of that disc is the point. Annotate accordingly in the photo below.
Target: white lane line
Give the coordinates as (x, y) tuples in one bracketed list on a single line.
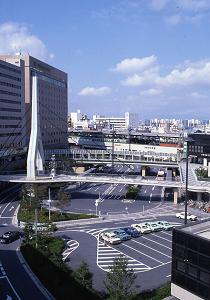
[(143, 253), (14, 291), (151, 248), (5, 208), (168, 275), (11, 208), (170, 234), (72, 245), (155, 242), (121, 222), (161, 237), (110, 254), (153, 188), (145, 191)]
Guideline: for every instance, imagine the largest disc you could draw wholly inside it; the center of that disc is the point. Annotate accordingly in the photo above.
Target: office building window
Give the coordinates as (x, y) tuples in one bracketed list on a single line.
[(205, 277), (10, 69), (180, 265), (10, 77), (192, 271)]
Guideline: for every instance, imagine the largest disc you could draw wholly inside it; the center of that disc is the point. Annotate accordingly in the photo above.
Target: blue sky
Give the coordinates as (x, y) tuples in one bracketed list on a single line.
[(146, 56)]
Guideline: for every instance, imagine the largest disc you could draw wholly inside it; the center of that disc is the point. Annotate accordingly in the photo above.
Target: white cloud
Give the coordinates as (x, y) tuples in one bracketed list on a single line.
[(151, 92), (131, 65), (173, 20), (194, 5), (197, 95), (181, 18), (158, 4), (91, 91), (16, 37), (188, 74)]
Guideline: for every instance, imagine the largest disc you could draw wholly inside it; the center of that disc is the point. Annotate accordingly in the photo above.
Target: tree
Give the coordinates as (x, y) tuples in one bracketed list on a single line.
[(120, 280), (63, 199), (84, 276)]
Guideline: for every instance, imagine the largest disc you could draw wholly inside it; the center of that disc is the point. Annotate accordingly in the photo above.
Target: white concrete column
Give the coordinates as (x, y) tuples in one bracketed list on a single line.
[(205, 162), (175, 195), (35, 158), (199, 196), (143, 171), (209, 169)]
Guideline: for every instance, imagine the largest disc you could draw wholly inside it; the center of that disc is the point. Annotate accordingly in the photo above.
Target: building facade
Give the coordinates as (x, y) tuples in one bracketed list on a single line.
[(191, 262), (53, 99), (12, 106), (116, 123)]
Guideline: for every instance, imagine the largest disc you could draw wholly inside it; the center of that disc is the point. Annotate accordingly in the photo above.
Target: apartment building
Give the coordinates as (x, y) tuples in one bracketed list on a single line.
[(52, 96), (12, 107)]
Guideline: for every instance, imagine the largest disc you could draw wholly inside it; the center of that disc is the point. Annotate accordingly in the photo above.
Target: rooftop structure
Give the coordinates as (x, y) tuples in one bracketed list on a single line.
[(191, 262)]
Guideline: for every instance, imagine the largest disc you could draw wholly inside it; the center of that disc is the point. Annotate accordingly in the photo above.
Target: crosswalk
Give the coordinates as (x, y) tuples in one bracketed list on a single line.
[(106, 255), (72, 245)]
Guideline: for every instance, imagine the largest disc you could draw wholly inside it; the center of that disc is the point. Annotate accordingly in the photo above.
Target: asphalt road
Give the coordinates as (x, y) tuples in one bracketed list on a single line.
[(111, 196), (149, 255), (14, 280)]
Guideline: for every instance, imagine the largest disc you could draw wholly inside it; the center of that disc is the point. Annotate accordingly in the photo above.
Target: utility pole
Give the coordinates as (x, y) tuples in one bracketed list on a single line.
[(49, 201), (129, 138), (36, 220)]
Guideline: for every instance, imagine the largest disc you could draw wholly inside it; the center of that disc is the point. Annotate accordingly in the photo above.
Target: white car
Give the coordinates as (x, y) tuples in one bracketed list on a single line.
[(141, 228), (110, 238), (191, 217)]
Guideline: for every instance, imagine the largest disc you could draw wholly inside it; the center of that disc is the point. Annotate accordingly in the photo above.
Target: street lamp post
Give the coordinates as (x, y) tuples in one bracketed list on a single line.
[(186, 184), (129, 138), (96, 204), (49, 202), (113, 136)]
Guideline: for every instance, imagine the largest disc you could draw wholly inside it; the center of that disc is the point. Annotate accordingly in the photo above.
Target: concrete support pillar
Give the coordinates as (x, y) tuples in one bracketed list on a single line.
[(143, 171), (205, 162), (175, 195), (199, 196), (209, 169)]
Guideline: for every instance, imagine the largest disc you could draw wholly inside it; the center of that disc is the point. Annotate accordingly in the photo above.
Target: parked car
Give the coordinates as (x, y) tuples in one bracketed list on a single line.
[(110, 237), (191, 217), (10, 236), (154, 226), (165, 225), (131, 231), (122, 234), (141, 228)]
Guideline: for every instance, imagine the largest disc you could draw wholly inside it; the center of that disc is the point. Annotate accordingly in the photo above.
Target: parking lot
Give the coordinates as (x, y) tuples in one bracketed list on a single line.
[(144, 253)]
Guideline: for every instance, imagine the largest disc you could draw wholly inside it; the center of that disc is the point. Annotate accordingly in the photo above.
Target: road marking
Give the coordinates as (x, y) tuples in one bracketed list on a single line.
[(105, 258), (72, 246), (170, 234), (161, 237), (153, 188), (155, 242), (168, 275), (11, 208), (143, 253), (151, 248), (121, 222), (145, 191)]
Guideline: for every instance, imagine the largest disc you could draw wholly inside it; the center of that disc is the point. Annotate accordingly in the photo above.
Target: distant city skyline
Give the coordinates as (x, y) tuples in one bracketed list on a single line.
[(151, 57)]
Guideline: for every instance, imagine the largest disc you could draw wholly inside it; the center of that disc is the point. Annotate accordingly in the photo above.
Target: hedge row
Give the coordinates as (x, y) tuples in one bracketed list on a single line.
[(60, 283)]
